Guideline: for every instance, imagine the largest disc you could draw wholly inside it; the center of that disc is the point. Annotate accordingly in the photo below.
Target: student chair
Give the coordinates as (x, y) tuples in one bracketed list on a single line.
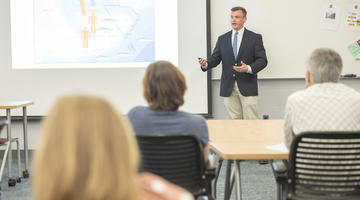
[(179, 159), (322, 165)]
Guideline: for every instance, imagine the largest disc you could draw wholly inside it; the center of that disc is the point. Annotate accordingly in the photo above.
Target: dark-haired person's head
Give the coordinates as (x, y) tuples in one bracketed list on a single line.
[(242, 9), (164, 86), (238, 17)]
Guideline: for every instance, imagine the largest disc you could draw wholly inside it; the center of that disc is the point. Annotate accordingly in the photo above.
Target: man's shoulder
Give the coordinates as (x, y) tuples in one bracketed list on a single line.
[(338, 89), (324, 89), (298, 98), (297, 95), (225, 35), (252, 33), (347, 90)]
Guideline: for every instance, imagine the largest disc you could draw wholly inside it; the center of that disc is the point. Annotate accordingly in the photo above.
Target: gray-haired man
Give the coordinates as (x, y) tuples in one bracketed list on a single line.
[(325, 104)]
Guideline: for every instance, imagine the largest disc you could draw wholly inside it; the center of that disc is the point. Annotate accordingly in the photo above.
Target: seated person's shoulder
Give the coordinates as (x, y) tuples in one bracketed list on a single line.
[(297, 96), (137, 110), (351, 92), (193, 118)]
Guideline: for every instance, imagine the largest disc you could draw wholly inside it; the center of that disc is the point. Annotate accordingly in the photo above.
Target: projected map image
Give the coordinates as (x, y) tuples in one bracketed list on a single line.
[(93, 31)]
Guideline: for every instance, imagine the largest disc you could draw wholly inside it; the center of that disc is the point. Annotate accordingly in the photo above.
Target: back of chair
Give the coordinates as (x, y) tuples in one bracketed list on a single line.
[(325, 165), (177, 158)]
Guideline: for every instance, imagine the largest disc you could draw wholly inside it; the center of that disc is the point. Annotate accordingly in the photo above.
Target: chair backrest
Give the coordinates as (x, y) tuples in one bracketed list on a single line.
[(325, 165), (177, 158)]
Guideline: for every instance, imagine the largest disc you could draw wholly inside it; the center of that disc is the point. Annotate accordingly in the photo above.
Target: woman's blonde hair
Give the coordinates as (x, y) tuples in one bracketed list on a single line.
[(88, 151)]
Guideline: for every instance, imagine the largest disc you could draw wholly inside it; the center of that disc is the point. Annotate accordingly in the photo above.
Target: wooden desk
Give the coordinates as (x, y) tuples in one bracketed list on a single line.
[(235, 140), (13, 105)]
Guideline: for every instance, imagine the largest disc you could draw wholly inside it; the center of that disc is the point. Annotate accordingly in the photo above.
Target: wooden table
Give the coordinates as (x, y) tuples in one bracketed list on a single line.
[(236, 140), (13, 105)]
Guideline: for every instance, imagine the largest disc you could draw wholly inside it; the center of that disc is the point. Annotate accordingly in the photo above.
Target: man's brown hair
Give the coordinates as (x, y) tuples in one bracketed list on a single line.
[(164, 86), (239, 8)]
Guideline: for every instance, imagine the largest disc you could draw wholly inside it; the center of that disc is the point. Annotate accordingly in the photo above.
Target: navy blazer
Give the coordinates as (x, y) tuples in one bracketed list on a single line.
[(251, 52)]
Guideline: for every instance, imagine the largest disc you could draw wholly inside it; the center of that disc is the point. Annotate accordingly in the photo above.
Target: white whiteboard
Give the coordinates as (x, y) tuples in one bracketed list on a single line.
[(290, 30)]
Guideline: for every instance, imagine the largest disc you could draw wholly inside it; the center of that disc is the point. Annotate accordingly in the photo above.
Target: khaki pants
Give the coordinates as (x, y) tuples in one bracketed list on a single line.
[(241, 107)]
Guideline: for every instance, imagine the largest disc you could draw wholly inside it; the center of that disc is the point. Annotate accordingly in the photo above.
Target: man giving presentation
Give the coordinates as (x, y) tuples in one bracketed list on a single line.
[(242, 54)]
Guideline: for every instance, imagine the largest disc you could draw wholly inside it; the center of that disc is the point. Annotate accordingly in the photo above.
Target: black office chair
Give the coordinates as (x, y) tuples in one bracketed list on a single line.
[(322, 165), (179, 159)]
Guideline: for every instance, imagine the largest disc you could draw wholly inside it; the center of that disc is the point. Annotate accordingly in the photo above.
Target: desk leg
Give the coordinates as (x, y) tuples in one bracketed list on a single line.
[(232, 179), (217, 173), (237, 179), (9, 138), (26, 156), (227, 191)]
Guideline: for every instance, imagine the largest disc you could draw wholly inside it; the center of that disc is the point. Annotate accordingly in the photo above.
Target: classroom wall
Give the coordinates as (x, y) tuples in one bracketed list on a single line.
[(273, 94), (272, 98), (291, 31)]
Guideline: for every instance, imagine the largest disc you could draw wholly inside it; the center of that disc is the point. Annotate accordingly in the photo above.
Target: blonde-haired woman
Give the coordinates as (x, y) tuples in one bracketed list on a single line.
[(88, 151)]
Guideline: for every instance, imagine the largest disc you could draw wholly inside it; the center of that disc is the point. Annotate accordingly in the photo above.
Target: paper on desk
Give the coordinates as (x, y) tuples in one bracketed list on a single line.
[(278, 147)]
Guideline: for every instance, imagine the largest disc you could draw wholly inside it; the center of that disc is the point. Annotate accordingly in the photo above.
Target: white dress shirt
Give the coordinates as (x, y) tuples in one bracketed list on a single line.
[(239, 39)]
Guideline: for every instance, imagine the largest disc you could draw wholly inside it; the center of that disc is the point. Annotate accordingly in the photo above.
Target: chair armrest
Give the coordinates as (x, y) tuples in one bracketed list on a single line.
[(210, 172), (280, 169), (212, 161), (279, 166), (208, 176)]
